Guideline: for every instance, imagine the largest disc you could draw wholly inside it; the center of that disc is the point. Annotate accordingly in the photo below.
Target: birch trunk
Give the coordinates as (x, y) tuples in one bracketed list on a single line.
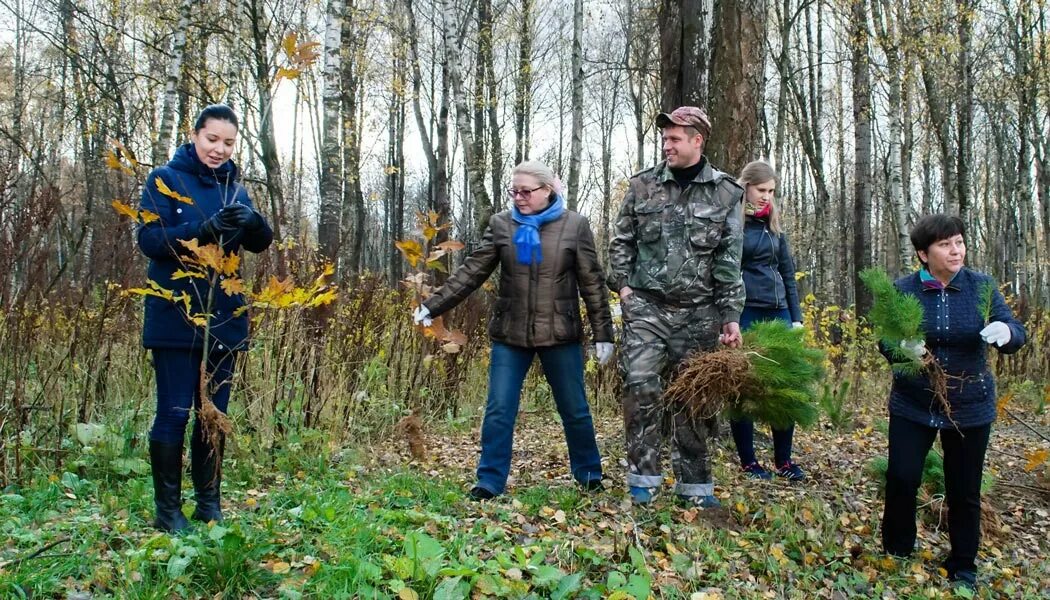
[(328, 231), (474, 171), (576, 147), (162, 146)]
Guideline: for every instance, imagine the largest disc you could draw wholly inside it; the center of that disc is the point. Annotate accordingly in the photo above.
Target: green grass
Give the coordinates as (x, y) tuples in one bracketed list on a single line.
[(323, 525)]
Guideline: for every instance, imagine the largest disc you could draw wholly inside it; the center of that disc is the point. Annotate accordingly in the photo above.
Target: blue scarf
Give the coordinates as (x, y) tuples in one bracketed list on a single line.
[(527, 237)]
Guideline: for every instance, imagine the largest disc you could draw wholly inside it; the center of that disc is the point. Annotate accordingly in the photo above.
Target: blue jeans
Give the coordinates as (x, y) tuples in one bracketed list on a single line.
[(744, 430), (563, 367), (178, 390)]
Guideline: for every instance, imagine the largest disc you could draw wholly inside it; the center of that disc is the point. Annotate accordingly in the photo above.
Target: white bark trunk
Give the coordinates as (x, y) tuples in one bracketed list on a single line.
[(162, 146), (475, 176), (576, 147), (330, 188)]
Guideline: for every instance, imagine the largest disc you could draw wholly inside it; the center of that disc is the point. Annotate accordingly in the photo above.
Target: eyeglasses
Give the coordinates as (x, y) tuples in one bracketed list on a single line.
[(513, 193)]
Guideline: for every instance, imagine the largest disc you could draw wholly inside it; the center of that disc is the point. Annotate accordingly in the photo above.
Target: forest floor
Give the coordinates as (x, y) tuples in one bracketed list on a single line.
[(320, 522)]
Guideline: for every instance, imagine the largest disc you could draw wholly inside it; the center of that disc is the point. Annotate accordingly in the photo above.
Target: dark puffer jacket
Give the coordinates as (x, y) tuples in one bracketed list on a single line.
[(768, 269), (538, 305), (952, 325), (166, 323)]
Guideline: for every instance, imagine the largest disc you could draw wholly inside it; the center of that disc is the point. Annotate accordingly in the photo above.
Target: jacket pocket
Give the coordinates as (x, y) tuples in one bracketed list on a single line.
[(567, 323), (650, 222), (705, 226), (500, 319)]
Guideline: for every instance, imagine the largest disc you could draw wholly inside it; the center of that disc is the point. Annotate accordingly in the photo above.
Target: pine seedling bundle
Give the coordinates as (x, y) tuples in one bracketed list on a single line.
[(897, 317), (771, 379)]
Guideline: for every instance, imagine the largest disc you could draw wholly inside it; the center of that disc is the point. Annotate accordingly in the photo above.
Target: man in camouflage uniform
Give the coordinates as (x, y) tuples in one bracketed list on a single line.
[(674, 258)]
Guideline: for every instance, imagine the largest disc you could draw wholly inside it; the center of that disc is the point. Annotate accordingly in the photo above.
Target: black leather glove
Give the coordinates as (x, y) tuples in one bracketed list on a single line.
[(241, 216), (213, 227)]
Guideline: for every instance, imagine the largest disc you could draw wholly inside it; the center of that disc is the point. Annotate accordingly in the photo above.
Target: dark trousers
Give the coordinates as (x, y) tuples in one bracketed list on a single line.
[(178, 390), (963, 464)]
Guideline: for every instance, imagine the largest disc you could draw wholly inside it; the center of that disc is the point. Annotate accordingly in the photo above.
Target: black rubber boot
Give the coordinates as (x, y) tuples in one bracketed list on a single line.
[(166, 463), (207, 477)]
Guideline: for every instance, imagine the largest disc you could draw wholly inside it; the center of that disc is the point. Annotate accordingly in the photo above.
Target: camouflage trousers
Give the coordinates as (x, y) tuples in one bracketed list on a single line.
[(656, 338)]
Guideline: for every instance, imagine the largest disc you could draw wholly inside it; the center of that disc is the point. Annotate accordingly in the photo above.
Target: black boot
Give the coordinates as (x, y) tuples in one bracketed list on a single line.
[(166, 462), (207, 476)]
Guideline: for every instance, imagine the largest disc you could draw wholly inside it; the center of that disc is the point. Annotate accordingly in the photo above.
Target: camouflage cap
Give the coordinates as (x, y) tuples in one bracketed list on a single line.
[(686, 116)]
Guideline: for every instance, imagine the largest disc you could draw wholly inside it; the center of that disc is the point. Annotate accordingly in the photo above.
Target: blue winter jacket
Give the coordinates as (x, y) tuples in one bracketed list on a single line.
[(768, 269), (952, 325), (166, 323)]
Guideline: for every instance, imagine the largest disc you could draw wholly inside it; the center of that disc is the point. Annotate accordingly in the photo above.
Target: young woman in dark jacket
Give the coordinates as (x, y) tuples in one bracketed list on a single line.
[(958, 334), (202, 201), (547, 261), (769, 281)]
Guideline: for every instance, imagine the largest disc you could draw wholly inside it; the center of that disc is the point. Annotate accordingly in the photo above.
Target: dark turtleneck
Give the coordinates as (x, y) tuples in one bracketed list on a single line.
[(686, 174)]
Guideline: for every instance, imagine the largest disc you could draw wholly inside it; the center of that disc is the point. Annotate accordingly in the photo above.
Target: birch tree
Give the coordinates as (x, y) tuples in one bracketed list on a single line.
[(328, 231)]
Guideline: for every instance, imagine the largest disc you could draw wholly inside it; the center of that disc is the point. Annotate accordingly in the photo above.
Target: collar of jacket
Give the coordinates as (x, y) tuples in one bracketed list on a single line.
[(954, 284), (706, 175), (187, 161)]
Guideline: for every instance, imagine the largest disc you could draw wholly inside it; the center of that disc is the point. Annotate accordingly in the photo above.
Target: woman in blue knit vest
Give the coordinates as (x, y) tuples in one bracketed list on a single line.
[(769, 280), (218, 211), (958, 335)]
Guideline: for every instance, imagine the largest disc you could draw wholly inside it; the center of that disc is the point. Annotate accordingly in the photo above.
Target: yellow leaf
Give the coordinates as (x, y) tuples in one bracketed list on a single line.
[(326, 297), (148, 217), (408, 594), (1000, 405), (232, 285), (390, 170), (429, 232), (180, 274), (153, 290), (125, 209), (113, 162), (125, 152), (286, 73), (281, 567), (1036, 458), (289, 43), (199, 320), (230, 264), (208, 255), (167, 191), (411, 250), (437, 266)]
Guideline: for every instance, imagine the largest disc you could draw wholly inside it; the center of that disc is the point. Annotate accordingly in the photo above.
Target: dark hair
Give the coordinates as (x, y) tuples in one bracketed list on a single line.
[(934, 228), (216, 111)]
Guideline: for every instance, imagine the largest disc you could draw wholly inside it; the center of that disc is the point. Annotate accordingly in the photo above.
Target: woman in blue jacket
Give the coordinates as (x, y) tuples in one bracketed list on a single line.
[(958, 334), (196, 197), (769, 280)]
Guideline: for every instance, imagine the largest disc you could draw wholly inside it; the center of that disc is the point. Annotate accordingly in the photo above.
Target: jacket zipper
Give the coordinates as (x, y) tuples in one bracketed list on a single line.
[(776, 271)]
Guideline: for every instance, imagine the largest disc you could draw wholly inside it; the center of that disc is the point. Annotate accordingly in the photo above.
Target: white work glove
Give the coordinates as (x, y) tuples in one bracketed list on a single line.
[(915, 349), (997, 333), (796, 325), (603, 351), (422, 316)]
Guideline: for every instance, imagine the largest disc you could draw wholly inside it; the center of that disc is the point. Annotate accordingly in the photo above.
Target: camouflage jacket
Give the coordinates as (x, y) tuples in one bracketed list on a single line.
[(681, 247)]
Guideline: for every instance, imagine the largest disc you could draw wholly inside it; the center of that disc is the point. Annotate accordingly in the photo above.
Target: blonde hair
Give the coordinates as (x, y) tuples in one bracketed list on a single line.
[(760, 171), (544, 174)]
